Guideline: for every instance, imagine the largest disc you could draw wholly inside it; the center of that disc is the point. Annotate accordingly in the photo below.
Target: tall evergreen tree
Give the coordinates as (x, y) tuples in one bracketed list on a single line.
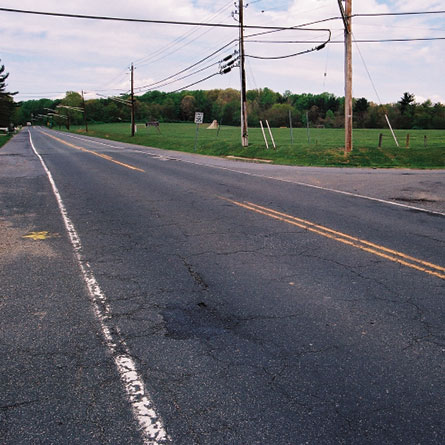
[(406, 102), (6, 100)]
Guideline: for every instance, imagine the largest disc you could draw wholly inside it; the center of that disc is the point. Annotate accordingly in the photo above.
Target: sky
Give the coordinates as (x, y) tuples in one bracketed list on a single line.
[(47, 56)]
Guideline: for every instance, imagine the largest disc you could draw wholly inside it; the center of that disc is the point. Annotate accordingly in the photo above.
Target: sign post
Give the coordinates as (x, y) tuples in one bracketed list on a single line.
[(199, 119)]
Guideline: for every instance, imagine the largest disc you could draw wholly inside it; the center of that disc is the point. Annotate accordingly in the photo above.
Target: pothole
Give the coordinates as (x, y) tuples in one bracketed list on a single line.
[(198, 322)]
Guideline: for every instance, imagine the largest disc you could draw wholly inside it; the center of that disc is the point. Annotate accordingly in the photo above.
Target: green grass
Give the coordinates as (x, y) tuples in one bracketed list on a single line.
[(324, 149), (4, 138)]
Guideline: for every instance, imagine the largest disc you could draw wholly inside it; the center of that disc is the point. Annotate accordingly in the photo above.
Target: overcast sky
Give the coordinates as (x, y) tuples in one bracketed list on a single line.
[(47, 56)]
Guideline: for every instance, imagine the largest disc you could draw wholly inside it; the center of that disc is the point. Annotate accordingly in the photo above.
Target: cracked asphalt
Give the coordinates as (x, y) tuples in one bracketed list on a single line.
[(245, 329)]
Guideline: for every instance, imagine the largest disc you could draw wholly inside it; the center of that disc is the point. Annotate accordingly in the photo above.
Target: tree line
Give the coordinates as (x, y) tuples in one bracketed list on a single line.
[(223, 105), (7, 107)]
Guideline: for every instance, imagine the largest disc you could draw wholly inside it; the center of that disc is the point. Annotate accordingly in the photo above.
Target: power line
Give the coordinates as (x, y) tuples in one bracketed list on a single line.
[(114, 81), (367, 71), (294, 28), (317, 48), (189, 67), (194, 83), (140, 89), (342, 41), (383, 14), (420, 39), (298, 27), (157, 55), (132, 20), (163, 56)]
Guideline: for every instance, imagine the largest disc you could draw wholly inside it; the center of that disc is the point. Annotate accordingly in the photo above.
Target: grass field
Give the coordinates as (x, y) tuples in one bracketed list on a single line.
[(324, 147)]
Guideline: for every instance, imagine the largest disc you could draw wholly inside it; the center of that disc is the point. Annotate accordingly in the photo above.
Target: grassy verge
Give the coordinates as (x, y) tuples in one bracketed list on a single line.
[(4, 138), (324, 147)]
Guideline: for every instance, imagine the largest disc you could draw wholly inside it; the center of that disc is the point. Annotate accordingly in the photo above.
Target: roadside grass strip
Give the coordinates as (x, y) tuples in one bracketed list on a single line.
[(381, 251)]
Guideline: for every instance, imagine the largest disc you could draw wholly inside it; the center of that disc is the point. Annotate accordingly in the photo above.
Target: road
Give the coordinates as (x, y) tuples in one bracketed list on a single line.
[(153, 297)]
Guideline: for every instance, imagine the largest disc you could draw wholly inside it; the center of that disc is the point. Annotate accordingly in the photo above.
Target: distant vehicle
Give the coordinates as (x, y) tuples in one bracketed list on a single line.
[(28, 124)]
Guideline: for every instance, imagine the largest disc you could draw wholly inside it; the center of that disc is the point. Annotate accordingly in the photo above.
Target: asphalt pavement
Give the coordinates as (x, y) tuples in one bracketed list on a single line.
[(159, 297)]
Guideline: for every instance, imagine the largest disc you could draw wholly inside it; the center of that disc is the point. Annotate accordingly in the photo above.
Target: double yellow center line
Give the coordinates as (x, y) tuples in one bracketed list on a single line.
[(381, 251), (100, 155)]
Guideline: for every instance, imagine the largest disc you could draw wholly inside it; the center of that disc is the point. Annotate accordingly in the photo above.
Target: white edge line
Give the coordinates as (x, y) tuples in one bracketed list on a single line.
[(318, 187), (288, 181), (150, 424)]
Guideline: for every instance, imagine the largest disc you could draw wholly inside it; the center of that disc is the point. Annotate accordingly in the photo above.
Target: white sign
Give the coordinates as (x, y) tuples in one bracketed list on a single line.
[(199, 117)]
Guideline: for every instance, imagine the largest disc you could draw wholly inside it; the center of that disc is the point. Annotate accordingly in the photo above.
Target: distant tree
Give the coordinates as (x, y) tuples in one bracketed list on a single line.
[(224, 106), (376, 117), (253, 95), (169, 110), (361, 105), (423, 116), (71, 99), (228, 105), (360, 109), (278, 115), (188, 107), (231, 113), (228, 95), (287, 95), (314, 115), (329, 120), (439, 116), (405, 102), (95, 110), (267, 98), (111, 112), (6, 100)]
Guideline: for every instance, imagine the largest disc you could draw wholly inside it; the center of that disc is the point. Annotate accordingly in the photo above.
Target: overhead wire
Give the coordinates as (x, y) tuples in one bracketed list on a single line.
[(153, 84), (133, 20), (191, 66), (270, 29), (317, 48), (149, 59), (383, 14), (408, 39), (113, 82), (178, 79), (366, 68), (287, 56), (195, 83)]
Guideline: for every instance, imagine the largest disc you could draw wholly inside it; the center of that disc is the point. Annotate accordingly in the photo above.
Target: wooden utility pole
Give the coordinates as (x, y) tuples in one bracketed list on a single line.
[(84, 112), (346, 15), (132, 101), (244, 131)]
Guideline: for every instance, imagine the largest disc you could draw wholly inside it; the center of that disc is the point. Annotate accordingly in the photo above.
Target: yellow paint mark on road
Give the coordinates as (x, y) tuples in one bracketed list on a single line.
[(375, 249), (100, 155), (40, 235)]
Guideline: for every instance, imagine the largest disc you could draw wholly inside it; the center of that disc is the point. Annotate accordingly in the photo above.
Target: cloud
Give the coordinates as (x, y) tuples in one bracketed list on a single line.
[(45, 54)]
